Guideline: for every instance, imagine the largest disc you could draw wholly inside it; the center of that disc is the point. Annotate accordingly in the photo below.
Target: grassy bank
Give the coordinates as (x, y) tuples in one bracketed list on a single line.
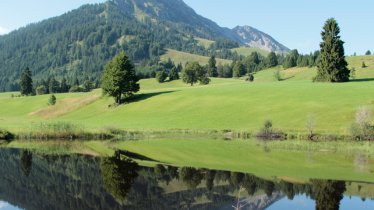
[(225, 104)]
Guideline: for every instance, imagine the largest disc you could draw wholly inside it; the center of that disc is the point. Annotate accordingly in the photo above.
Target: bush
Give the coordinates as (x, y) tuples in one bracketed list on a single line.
[(267, 132), (161, 76), (75, 89), (41, 90), (362, 129), (250, 78), (52, 100), (6, 135), (87, 86), (277, 76)]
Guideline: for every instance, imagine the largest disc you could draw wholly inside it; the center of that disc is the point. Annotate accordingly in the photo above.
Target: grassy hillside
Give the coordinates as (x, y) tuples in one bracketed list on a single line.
[(183, 57), (245, 51), (204, 42), (224, 104)]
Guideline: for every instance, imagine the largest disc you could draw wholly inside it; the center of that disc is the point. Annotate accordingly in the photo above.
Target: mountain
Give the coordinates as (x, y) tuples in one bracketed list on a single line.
[(77, 45), (254, 38)]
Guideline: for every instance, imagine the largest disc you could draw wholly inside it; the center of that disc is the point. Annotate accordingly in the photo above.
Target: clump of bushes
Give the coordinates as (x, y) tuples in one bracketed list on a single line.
[(250, 78), (6, 135), (268, 133), (362, 128)]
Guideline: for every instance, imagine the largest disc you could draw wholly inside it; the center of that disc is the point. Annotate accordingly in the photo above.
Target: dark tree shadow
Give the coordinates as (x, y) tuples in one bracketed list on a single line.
[(144, 96), (287, 78), (134, 155), (362, 80)]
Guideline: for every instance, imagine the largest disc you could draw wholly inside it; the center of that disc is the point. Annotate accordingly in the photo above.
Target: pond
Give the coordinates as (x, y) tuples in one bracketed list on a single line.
[(31, 180)]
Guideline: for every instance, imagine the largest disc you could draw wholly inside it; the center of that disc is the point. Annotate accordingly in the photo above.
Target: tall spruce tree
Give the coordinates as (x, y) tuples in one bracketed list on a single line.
[(332, 66), (26, 82), (212, 68)]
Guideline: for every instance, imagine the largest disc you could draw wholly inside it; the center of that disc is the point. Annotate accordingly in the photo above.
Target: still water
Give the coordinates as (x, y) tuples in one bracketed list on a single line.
[(36, 181)]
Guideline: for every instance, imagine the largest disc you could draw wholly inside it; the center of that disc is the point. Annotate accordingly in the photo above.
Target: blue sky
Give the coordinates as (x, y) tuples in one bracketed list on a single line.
[(294, 23)]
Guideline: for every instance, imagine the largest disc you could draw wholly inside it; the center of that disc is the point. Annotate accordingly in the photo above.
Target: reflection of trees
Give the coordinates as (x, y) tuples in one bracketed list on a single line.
[(118, 175), (26, 162), (209, 177), (192, 177), (328, 194)]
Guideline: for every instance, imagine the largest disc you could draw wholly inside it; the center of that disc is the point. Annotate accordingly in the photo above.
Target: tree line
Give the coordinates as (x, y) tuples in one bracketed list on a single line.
[(52, 85)]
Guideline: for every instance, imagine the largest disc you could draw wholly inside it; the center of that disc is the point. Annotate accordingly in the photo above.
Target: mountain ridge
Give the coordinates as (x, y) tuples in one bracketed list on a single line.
[(78, 44)]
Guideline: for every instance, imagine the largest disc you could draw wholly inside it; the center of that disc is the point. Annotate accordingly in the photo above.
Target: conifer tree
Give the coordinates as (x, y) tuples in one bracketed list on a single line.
[(26, 82), (332, 66), (212, 68)]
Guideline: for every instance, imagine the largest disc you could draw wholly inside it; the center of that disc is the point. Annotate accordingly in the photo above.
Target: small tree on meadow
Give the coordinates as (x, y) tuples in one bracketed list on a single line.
[(193, 73), (310, 125), (363, 65), (277, 76), (52, 100), (161, 76), (119, 79)]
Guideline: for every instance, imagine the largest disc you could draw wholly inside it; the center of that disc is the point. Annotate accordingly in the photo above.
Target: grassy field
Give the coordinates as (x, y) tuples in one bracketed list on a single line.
[(246, 51), (183, 57), (224, 104), (204, 42)]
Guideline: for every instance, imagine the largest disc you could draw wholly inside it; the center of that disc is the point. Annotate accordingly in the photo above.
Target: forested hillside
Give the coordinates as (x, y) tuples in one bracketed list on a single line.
[(77, 44)]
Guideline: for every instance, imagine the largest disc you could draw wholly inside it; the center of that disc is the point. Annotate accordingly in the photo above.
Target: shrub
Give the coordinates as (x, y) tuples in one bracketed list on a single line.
[(161, 76), (41, 90), (268, 133), (52, 100), (362, 128), (6, 135), (75, 89), (250, 78), (277, 76)]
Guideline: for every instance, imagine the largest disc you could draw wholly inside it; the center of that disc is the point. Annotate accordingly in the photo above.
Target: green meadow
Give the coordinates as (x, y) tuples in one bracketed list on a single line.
[(224, 104)]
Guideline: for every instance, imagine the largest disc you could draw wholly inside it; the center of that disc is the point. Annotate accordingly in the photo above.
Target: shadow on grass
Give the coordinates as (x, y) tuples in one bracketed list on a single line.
[(133, 155), (362, 80), (287, 78), (145, 96)]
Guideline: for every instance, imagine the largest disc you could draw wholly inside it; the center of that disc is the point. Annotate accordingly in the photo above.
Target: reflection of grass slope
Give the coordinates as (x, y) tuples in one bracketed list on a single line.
[(251, 157), (288, 159), (183, 57), (223, 104)]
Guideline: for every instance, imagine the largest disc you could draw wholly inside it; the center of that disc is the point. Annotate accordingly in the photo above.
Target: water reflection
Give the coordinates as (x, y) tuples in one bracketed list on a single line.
[(26, 162), (118, 175), (79, 182)]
